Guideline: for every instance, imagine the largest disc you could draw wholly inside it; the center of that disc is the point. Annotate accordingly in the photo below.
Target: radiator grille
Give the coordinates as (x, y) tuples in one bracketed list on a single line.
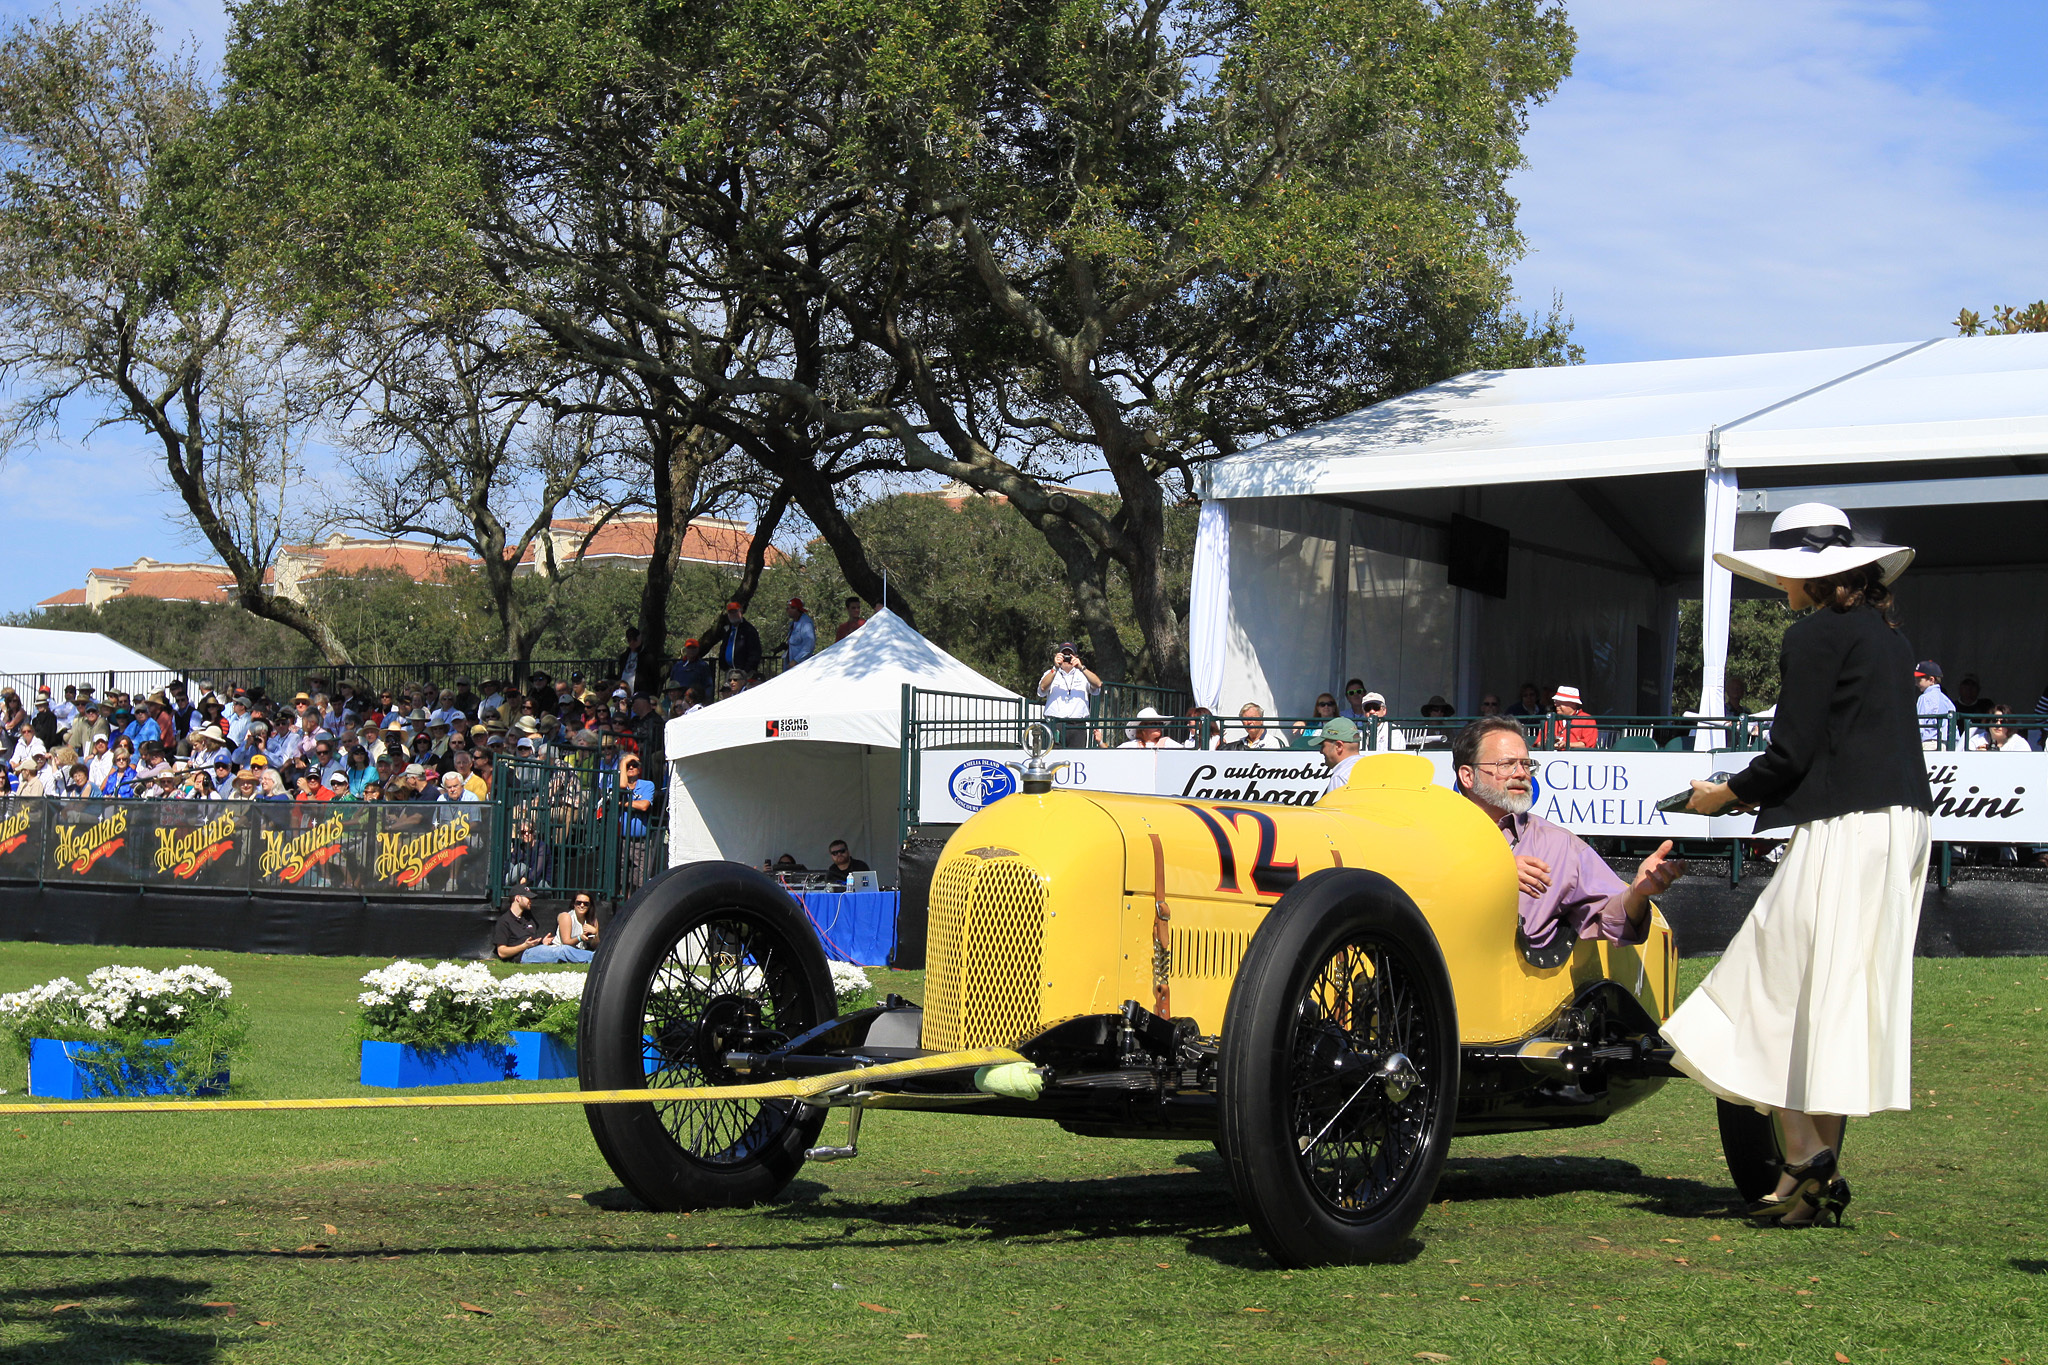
[(1208, 954), (982, 954)]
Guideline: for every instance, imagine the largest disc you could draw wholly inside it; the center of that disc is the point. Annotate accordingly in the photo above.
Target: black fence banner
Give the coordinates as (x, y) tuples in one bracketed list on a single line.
[(94, 840), (404, 848), (312, 846), (196, 843), (24, 820), (434, 848)]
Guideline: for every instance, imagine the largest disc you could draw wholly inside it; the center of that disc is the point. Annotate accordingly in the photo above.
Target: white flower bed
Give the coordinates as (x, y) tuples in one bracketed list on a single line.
[(462, 1002), (119, 1000), (126, 1012), (849, 983)]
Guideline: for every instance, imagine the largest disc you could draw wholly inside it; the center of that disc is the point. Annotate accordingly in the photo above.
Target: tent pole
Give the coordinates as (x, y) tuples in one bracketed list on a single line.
[(1716, 585)]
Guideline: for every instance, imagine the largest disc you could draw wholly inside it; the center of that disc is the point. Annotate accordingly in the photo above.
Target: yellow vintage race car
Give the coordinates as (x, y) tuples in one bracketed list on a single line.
[(1329, 994)]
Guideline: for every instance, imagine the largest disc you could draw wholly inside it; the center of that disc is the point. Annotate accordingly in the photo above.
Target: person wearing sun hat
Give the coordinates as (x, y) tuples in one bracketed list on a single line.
[(1147, 730), (1809, 1013), (1569, 727)]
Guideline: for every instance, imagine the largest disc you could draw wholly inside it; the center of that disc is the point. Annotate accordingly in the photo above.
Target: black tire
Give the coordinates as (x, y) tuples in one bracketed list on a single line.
[(1343, 973), (691, 950), (1750, 1144)]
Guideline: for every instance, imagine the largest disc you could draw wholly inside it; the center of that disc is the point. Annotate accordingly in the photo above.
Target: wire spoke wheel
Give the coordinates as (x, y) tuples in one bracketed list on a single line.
[(1358, 1142), (699, 998), (704, 961), (1339, 1071)]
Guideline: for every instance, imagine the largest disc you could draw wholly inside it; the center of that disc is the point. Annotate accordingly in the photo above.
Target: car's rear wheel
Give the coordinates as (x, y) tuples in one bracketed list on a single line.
[(1339, 1071), (1752, 1147), (704, 959)]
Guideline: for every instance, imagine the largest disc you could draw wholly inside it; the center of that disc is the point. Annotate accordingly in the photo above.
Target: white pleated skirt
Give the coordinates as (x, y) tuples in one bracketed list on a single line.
[(1811, 1007)]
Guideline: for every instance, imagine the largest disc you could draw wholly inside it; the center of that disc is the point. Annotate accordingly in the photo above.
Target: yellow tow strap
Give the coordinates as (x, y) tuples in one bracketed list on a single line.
[(796, 1088)]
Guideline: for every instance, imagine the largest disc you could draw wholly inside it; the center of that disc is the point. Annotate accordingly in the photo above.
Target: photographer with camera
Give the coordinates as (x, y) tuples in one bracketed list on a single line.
[(1065, 690)]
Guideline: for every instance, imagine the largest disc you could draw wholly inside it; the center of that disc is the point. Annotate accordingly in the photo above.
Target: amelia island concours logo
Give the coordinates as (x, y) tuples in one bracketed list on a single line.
[(289, 859), (80, 848), (406, 862), (980, 782), (182, 852)]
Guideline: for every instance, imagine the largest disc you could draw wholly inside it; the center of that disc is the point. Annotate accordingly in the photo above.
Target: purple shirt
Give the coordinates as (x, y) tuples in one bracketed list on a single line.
[(1584, 896)]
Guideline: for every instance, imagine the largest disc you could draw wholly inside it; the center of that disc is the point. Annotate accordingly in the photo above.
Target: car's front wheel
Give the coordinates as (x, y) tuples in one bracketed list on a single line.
[(704, 960), (1339, 1071)]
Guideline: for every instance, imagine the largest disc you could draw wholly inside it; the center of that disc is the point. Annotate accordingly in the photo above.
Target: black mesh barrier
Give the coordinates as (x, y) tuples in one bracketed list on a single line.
[(95, 841), (24, 820), (193, 843), (410, 849), (433, 849)]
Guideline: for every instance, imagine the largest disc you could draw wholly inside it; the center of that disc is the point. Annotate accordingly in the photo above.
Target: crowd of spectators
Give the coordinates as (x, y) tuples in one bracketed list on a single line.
[(346, 742), (1069, 692)]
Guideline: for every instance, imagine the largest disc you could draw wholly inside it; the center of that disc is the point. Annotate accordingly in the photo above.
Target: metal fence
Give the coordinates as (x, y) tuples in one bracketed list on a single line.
[(286, 679), (564, 827)]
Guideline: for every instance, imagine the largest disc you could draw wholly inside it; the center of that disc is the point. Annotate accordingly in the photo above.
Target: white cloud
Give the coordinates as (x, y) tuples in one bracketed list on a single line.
[(1747, 176)]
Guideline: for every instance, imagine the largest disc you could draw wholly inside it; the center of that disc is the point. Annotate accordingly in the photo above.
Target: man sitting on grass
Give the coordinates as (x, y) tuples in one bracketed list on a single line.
[(516, 937)]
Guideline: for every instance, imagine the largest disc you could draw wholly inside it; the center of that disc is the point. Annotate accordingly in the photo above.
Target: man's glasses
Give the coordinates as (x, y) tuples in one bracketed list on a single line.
[(1511, 765), (1354, 691)]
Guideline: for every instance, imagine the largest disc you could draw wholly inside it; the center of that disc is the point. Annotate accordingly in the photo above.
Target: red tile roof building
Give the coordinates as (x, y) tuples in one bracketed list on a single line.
[(627, 541)]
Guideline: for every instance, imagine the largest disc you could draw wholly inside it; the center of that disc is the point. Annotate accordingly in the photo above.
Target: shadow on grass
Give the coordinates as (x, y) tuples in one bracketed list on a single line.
[(2029, 1267), (1533, 1177), (113, 1320)]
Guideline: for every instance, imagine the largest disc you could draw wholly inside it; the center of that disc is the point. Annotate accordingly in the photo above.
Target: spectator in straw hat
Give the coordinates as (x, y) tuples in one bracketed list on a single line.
[(1569, 727)]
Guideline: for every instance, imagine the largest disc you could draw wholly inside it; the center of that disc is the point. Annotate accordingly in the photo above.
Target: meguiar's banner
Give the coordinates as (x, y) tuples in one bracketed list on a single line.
[(21, 836), (1996, 798), (399, 848), (93, 841), (197, 843)]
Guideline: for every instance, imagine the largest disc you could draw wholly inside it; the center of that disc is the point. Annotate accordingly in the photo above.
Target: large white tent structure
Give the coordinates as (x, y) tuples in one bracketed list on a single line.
[(810, 756), (1327, 554), (30, 657)]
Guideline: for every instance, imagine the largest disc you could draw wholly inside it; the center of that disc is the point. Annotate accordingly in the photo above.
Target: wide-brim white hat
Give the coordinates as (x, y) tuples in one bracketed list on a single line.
[(1813, 540), (1144, 714)]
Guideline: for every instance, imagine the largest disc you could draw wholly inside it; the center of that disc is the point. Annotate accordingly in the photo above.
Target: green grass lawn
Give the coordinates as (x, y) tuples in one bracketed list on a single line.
[(365, 1236)]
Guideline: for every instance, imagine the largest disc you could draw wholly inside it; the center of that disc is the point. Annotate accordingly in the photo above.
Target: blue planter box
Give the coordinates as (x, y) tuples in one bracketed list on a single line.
[(541, 1057), (54, 1074), (398, 1067)]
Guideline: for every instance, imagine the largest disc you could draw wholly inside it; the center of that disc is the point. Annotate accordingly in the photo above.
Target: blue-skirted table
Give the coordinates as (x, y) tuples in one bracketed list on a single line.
[(856, 926)]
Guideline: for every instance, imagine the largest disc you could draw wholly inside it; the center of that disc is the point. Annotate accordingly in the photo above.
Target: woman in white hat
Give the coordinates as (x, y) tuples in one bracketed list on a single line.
[(1809, 1013), (1147, 730)]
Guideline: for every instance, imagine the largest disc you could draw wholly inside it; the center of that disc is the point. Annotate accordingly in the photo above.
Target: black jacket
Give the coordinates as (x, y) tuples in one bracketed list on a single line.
[(1846, 736)]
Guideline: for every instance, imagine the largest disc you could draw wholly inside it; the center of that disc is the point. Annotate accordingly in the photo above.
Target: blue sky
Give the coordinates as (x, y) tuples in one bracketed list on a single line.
[(1718, 177)]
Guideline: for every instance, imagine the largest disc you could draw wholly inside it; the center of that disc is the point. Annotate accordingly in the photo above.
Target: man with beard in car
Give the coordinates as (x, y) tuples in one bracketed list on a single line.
[(1568, 891)]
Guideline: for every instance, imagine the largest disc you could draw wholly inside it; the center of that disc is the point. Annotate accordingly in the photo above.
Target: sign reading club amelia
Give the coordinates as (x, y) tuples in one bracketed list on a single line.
[(1978, 797)]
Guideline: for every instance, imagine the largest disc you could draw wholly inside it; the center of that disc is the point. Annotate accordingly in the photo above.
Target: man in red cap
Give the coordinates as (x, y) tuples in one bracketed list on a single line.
[(741, 650), (803, 634)]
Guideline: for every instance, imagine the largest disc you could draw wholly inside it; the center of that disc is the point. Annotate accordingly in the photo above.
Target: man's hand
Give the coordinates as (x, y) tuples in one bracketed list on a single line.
[(1533, 874), (1655, 873)]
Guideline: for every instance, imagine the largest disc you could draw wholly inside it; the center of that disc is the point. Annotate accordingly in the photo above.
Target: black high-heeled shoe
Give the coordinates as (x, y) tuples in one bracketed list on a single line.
[(1811, 1181)]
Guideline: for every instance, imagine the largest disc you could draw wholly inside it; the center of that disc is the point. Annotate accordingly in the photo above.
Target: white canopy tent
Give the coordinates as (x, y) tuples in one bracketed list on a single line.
[(1326, 554), (29, 658), (810, 756)]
